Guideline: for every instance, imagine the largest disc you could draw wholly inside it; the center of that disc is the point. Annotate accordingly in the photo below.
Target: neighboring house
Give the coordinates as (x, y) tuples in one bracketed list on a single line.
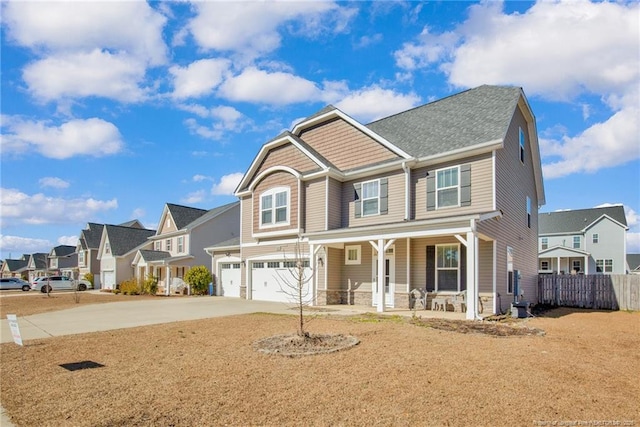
[(88, 246), (63, 260), (633, 263), (118, 246), (16, 267), (447, 194), (37, 265), (183, 232), (583, 241)]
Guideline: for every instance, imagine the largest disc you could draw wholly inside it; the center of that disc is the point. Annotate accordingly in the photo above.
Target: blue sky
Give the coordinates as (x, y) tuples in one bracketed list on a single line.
[(112, 109)]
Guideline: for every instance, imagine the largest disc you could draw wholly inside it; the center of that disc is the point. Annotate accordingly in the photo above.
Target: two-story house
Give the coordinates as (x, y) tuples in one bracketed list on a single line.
[(583, 241), (88, 246), (118, 247), (183, 233), (443, 197), (63, 260), (37, 265), (16, 267)]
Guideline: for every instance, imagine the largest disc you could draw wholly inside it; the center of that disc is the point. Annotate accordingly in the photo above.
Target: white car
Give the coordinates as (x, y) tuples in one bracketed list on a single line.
[(50, 283), (14, 283)]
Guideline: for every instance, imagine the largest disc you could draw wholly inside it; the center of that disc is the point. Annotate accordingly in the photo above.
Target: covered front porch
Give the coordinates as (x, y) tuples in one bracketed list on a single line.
[(440, 259), (169, 271), (563, 260)]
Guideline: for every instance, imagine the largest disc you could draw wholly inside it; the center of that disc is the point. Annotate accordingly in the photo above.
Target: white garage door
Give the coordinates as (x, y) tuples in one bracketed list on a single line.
[(109, 280), (229, 279), (275, 281)]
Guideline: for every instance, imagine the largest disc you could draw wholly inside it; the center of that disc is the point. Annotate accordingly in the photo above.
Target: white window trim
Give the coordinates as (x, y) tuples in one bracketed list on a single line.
[(168, 245), (521, 145), (529, 216), (358, 259), (157, 245), (272, 192), (180, 244), (457, 168), (437, 287), (544, 244), (573, 242), (604, 265), (362, 199), (595, 238)]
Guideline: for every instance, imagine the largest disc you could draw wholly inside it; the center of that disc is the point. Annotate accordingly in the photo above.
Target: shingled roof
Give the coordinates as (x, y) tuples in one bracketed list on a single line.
[(184, 215), (62, 250), (150, 255), (39, 260), (90, 237), (575, 221), (472, 117), (124, 239), (633, 262)]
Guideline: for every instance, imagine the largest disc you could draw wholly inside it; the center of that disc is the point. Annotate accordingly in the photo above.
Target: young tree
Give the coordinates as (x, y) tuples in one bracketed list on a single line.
[(198, 278), (296, 284)]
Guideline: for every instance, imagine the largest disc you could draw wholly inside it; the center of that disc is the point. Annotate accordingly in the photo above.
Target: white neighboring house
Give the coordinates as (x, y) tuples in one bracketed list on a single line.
[(591, 241), (118, 247), (63, 260), (179, 244)]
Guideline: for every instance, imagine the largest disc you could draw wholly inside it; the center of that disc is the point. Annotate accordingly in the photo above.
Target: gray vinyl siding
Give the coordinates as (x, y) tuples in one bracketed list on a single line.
[(314, 205), (334, 207), (396, 194), (611, 244), (514, 182), (223, 227), (481, 188)]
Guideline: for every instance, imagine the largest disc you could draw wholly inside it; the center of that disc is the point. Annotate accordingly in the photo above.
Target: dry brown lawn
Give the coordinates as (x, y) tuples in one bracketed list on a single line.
[(583, 369)]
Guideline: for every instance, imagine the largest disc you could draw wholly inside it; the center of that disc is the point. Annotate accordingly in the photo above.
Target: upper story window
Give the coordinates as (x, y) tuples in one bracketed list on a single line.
[(595, 238), (274, 207), (544, 243), (180, 244), (522, 141), (528, 212), (576, 242), (81, 258), (157, 245), (168, 245), (107, 248), (447, 187), (371, 197)]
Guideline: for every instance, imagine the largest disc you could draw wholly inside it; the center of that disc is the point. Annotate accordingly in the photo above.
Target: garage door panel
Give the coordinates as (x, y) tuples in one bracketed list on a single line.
[(272, 281), (230, 280)]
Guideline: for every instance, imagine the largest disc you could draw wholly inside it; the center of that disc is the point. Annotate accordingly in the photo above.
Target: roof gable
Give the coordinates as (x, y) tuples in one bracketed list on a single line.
[(123, 240), (62, 251)]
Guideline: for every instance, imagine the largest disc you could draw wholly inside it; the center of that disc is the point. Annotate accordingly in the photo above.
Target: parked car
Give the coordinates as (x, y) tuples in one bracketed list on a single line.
[(14, 283), (50, 283)]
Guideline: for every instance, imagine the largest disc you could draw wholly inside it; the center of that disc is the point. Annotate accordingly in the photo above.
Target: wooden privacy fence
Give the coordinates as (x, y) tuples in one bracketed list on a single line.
[(598, 291)]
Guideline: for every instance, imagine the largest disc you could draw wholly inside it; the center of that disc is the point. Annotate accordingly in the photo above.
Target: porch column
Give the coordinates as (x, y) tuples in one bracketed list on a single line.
[(313, 282), (585, 267), (558, 266), (381, 295), (472, 276), (167, 287)]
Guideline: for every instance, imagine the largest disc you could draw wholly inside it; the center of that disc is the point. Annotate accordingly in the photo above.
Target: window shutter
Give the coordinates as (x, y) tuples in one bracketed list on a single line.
[(358, 194), (431, 268), (463, 267), (431, 191), (384, 196), (465, 185)]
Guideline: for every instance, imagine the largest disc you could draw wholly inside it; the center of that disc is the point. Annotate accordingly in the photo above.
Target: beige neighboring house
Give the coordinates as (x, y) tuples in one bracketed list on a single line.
[(445, 195), (63, 260), (37, 265), (183, 233), (16, 267), (118, 247), (88, 246)]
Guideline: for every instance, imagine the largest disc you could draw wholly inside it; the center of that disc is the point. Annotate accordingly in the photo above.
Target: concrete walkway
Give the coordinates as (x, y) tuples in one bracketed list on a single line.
[(129, 314)]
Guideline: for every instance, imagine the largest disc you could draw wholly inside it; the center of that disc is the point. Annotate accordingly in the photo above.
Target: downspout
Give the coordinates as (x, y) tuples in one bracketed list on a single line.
[(476, 273)]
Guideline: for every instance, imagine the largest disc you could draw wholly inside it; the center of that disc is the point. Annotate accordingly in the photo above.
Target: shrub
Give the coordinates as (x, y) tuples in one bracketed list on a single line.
[(198, 278), (89, 278), (130, 287), (149, 285)]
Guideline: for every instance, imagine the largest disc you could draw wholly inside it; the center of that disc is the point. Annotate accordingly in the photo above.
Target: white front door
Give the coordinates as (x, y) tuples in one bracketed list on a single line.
[(229, 279), (389, 277)]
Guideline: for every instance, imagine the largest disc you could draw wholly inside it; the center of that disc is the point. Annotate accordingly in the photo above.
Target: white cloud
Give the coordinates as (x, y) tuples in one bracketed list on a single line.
[(17, 207), (198, 78), (227, 184), (200, 178), (193, 198), (277, 88), (138, 213), (374, 102), (84, 74), (559, 50), (68, 240), (53, 182), (16, 245), (133, 27), (91, 137), (251, 28)]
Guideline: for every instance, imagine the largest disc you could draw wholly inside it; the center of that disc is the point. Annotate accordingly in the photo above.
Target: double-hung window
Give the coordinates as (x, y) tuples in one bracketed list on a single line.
[(168, 245), (595, 238), (274, 207), (604, 266), (371, 198), (180, 244), (448, 187), (447, 267), (576, 242), (544, 243)]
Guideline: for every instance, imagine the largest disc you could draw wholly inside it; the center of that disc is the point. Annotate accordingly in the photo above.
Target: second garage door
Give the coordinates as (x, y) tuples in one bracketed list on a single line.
[(275, 281), (229, 279)]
